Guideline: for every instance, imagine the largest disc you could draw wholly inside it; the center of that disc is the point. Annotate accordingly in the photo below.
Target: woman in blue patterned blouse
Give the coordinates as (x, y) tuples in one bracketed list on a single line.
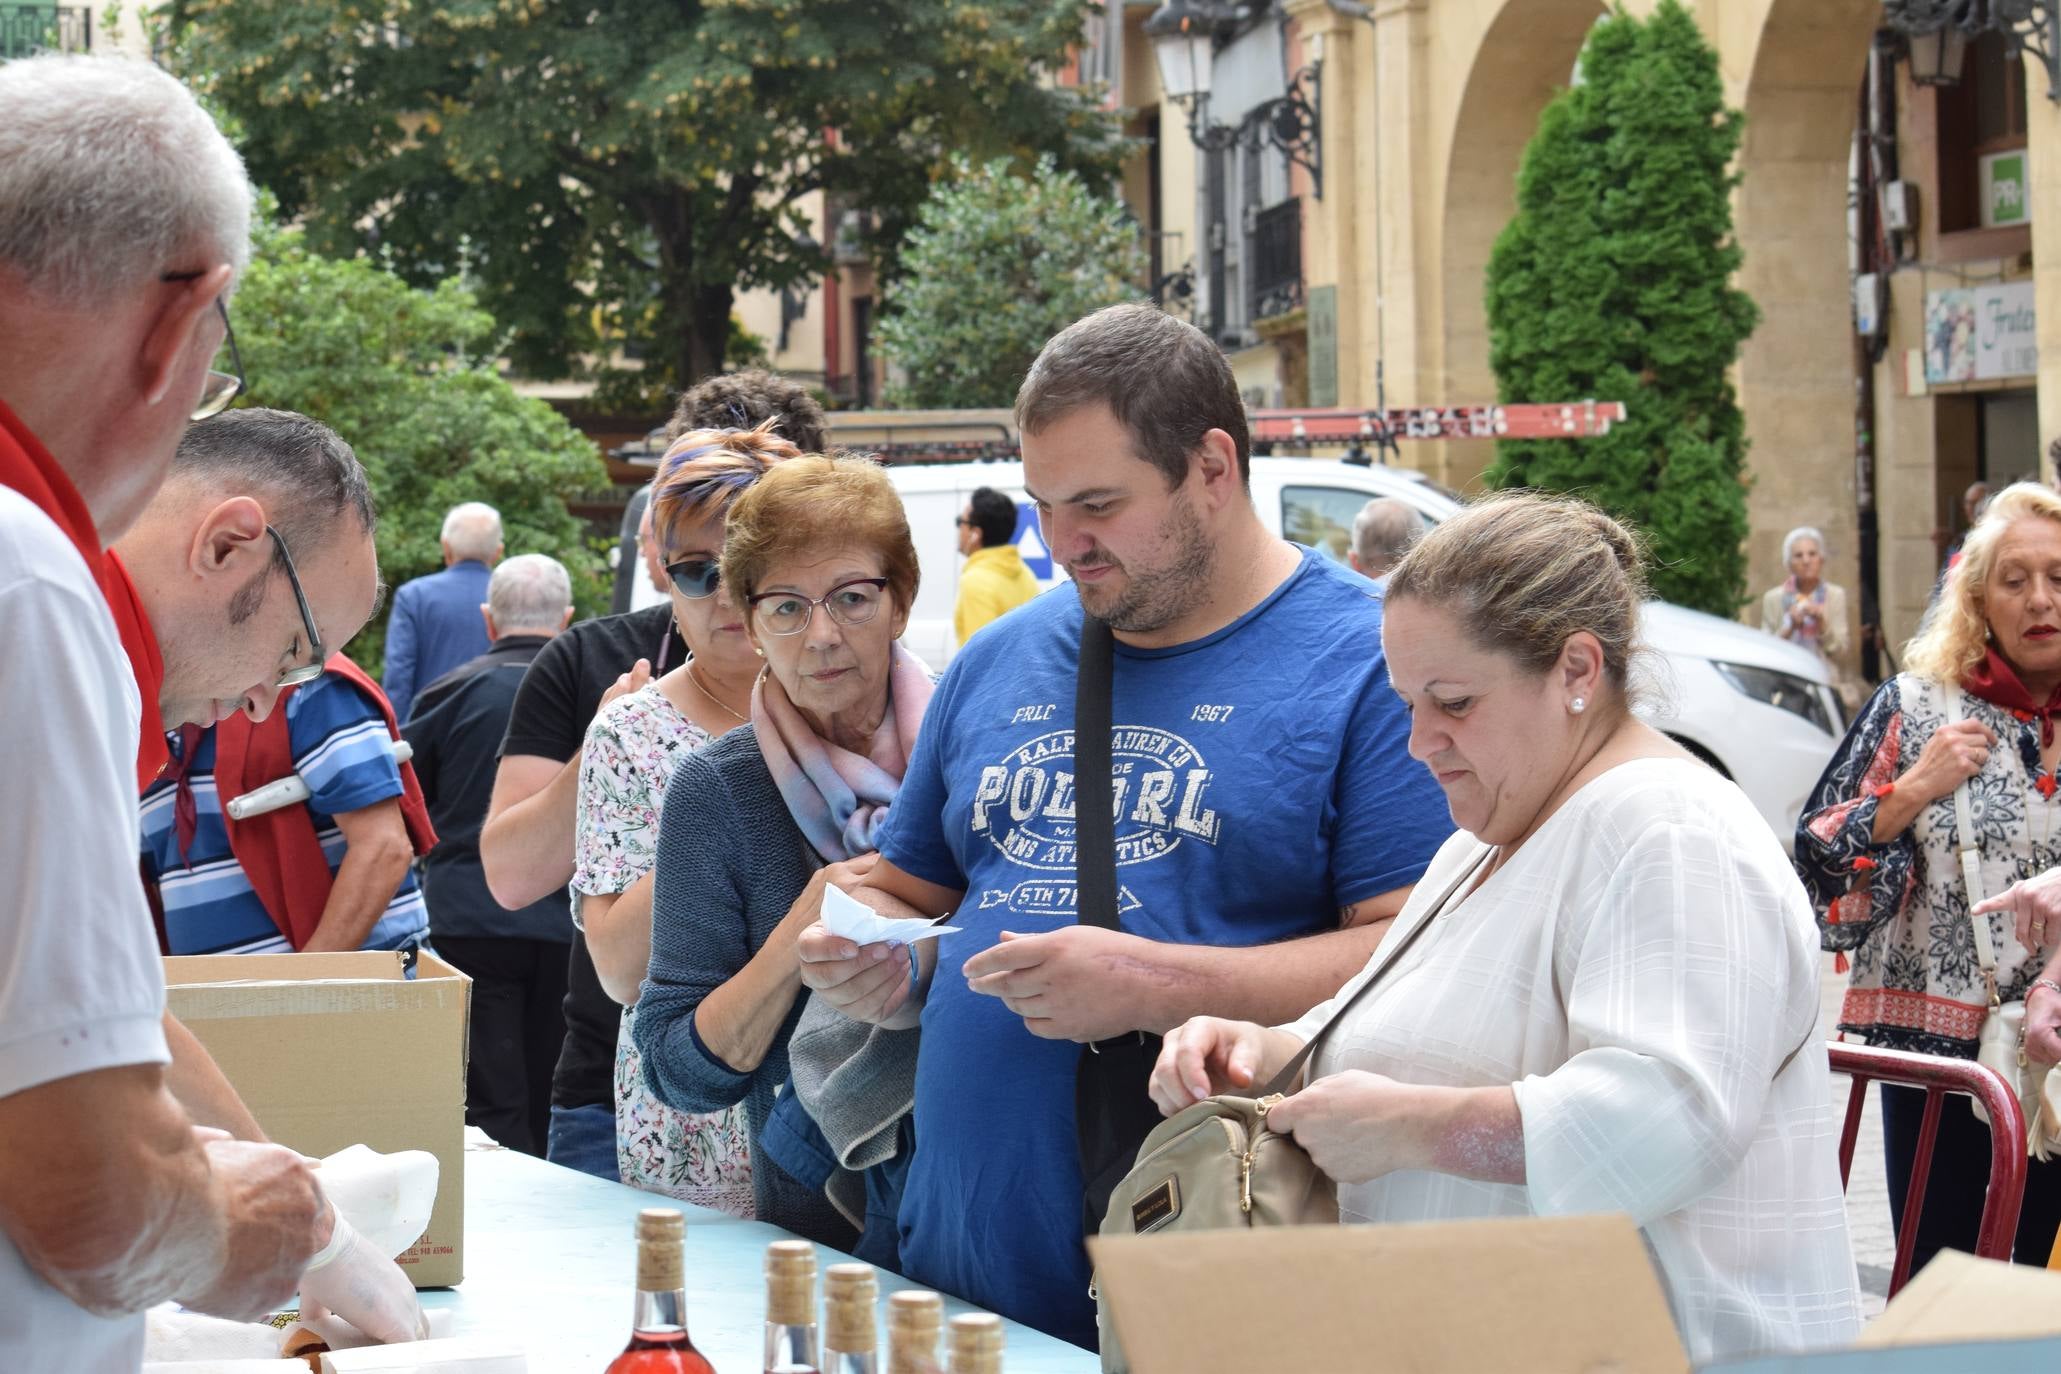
[(1975, 705)]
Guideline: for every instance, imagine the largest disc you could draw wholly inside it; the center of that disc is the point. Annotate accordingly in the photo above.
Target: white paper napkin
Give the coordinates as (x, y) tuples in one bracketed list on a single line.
[(848, 916)]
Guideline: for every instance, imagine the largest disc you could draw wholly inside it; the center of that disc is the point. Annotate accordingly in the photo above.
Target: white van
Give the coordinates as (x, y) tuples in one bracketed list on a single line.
[(1760, 710)]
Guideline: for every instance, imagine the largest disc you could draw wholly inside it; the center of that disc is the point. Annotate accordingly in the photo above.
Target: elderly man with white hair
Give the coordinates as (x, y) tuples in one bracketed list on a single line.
[(124, 220), (1382, 533), (517, 959), (435, 625)]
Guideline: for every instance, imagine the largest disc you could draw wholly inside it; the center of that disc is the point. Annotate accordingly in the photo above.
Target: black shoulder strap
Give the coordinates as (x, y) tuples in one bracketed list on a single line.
[(1094, 825)]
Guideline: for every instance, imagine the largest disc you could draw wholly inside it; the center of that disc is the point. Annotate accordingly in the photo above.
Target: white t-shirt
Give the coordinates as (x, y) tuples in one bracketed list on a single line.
[(81, 985), (1638, 971)]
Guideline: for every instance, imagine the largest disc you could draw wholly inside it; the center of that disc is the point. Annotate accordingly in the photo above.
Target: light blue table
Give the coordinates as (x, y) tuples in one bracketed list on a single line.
[(551, 1260)]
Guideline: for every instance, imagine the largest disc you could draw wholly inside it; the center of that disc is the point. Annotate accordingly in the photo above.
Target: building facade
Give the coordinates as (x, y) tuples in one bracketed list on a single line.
[(1420, 111)]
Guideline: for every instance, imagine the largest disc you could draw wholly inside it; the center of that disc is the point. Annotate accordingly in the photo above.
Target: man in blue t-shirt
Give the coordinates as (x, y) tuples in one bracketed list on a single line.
[(1269, 818)]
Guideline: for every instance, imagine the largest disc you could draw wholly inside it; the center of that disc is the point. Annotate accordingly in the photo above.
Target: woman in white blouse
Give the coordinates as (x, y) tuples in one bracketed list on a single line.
[(1618, 1012)]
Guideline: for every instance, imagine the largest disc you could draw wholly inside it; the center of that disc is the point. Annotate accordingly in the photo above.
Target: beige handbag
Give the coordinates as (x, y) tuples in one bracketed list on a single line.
[(1215, 1165), (2001, 1044)]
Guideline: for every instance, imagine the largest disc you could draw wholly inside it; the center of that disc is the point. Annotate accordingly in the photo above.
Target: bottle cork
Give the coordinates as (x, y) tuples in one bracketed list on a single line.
[(661, 1242), (914, 1321), (791, 1283), (849, 1292), (977, 1344)]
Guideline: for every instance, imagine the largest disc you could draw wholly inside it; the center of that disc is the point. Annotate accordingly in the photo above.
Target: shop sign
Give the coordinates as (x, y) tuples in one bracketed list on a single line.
[(1980, 333), (2006, 197)]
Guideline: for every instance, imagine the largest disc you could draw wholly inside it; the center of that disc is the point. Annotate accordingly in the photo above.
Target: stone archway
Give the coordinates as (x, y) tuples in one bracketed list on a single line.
[(1526, 54), (1796, 374)]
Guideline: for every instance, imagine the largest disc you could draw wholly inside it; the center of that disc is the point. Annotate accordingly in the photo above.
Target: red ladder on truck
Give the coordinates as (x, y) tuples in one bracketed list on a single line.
[(1382, 428)]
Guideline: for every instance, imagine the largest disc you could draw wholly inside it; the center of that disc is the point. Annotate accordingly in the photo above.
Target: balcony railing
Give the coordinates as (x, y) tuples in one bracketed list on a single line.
[(29, 29), (1275, 270)]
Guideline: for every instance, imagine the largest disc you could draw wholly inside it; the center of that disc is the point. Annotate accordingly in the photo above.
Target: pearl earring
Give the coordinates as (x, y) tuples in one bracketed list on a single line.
[(1578, 705)]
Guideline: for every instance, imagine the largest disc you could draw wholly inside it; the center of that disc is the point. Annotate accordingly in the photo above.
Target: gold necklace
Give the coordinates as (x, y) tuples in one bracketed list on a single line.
[(695, 678)]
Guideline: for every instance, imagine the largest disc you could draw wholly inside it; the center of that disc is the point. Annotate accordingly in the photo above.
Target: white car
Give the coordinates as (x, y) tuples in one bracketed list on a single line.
[(1761, 711)]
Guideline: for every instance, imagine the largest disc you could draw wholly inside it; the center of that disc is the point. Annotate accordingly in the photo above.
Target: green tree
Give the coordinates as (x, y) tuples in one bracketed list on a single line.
[(1614, 282), (404, 375), (623, 170), (997, 263)]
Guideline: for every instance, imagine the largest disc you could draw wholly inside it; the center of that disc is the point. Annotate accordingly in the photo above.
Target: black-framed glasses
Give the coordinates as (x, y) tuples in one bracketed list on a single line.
[(848, 603), (695, 577), (962, 522), (221, 387), (306, 672)]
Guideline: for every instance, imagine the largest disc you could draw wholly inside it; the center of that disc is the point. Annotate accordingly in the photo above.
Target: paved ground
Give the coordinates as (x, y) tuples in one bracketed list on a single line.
[(1867, 1194)]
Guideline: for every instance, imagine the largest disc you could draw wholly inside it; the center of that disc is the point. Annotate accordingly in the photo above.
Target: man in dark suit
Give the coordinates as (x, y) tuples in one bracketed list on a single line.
[(436, 620)]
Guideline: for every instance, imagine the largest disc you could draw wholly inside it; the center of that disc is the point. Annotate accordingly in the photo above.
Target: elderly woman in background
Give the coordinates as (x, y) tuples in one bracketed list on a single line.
[(631, 750), (758, 823), (1975, 704), (1806, 609), (1613, 1002)]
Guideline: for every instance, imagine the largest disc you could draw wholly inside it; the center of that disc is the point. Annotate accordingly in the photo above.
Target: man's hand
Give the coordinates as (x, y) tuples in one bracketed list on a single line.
[(1076, 983), (2035, 907), (632, 681), (276, 1222)]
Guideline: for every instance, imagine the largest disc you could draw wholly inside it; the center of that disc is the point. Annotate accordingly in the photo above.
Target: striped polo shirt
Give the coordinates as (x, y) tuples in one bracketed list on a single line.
[(341, 748)]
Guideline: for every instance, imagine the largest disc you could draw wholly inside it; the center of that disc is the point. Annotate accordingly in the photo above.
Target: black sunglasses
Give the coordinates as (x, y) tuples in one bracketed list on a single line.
[(221, 387), (695, 577)]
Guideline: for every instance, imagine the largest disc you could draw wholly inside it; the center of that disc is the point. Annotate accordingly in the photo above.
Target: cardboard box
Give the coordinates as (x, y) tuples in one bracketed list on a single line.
[(1547, 1295), (1551, 1295), (333, 1050)]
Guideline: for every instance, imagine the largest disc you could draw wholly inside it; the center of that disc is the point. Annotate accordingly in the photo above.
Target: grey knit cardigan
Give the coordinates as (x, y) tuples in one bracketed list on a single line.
[(731, 862)]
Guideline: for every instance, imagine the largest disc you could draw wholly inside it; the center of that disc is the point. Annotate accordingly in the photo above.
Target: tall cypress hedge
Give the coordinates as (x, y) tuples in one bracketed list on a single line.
[(1613, 282)]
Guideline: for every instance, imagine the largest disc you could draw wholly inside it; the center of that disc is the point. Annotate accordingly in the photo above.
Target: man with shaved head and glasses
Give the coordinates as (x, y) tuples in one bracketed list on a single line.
[(255, 562), (124, 221)]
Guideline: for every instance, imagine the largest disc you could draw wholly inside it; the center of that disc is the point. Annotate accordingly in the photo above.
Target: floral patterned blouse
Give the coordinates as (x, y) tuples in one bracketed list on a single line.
[(631, 749), (1899, 908)]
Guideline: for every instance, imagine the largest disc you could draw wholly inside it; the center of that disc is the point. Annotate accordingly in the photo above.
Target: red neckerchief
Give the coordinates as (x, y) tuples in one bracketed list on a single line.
[(1996, 682), (146, 661), (27, 466)]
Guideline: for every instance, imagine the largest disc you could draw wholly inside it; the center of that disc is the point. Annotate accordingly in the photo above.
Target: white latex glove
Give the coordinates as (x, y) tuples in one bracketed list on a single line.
[(354, 1281)]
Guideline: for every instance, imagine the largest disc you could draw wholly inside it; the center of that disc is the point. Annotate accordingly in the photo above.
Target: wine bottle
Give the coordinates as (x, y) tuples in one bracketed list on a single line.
[(849, 1292), (977, 1344), (791, 1308), (914, 1319), (659, 1343)]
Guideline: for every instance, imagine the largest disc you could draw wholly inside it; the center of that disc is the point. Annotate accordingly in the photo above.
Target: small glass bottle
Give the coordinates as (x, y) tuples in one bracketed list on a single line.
[(849, 1293), (658, 1334), (791, 1308), (977, 1344), (914, 1321)]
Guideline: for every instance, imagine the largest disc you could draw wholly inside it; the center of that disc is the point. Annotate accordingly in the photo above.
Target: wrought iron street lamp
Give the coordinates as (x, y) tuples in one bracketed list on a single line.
[(1939, 32), (1184, 36)]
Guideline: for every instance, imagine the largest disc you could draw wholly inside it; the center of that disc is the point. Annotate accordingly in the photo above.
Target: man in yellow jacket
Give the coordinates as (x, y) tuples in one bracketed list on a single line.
[(994, 580)]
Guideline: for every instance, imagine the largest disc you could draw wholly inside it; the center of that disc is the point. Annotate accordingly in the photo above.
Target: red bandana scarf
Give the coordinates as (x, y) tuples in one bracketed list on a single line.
[(27, 466), (1996, 682)]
